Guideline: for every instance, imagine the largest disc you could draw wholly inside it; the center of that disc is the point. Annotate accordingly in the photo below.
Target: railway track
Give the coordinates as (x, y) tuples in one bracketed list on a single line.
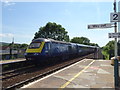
[(12, 73), (35, 73)]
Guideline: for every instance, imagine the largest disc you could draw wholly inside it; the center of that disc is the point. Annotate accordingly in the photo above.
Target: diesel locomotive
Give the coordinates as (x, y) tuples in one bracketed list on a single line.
[(42, 49)]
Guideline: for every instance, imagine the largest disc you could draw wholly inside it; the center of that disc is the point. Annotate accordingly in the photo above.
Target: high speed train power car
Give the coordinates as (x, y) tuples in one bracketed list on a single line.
[(42, 49)]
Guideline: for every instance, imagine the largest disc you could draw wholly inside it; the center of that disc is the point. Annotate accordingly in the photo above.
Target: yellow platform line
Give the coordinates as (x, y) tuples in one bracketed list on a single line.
[(67, 83)]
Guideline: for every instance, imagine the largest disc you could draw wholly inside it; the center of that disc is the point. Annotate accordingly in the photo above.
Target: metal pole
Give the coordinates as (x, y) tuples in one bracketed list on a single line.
[(13, 48), (116, 70), (119, 22)]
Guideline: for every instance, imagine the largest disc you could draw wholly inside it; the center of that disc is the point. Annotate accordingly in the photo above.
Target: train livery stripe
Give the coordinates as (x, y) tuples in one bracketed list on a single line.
[(37, 50)]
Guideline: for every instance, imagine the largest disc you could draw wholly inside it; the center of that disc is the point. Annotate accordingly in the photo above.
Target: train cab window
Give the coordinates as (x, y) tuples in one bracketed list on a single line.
[(70, 48), (47, 46), (34, 45)]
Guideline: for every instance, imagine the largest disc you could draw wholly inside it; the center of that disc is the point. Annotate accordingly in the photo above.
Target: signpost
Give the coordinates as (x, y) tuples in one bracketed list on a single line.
[(114, 35), (116, 70), (114, 17), (95, 26)]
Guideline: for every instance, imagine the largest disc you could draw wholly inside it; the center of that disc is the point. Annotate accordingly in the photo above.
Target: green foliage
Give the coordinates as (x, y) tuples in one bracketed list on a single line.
[(83, 40), (23, 46), (18, 46), (3, 44), (53, 31), (4, 67), (108, 50), (80, 40), (93, 44)]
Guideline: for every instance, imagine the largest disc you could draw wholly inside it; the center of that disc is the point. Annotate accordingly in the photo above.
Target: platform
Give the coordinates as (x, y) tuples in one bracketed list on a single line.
[(11, 61), (87, 73)]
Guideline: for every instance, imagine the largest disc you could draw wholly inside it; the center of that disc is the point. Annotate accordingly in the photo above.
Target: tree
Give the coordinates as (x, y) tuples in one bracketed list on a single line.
[(53, 31), (80, 40), (83, 40), (18, 46), (108, 50), (93, 44), (23, 46)]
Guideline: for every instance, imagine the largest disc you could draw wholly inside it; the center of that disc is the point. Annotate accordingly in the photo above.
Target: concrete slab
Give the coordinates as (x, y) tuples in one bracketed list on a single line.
[(87, 73)]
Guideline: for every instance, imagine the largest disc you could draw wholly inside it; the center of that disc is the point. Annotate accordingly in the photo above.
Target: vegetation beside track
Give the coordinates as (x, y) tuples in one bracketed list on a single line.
[(108, 50)]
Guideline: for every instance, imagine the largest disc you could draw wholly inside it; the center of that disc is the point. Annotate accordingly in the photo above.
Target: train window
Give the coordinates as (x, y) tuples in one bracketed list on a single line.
[(34, 45), (47, 46)]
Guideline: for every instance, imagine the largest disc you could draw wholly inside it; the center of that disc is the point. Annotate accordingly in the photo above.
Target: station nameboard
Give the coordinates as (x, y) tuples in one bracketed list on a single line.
[(95, 26)]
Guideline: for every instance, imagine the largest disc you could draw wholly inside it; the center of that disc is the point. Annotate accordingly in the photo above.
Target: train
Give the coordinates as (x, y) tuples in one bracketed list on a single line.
[(42, 49)]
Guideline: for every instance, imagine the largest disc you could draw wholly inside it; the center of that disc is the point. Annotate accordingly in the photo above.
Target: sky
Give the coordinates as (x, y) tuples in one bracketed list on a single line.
[(21, 20)]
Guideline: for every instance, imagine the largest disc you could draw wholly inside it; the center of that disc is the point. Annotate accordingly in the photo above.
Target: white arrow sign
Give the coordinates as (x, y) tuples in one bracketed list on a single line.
[(95, 26), (114, 35)]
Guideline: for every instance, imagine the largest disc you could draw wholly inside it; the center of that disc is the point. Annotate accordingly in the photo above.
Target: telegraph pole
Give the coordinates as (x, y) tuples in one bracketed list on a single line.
[(12, 47), (116, 70)]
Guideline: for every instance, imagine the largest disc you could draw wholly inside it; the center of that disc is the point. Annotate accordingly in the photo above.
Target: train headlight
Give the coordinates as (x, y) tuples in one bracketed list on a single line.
[(36, 53), (25, 54)]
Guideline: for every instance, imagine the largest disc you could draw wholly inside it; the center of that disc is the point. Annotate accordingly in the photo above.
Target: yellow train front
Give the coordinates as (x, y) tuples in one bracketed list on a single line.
[(38, 49)]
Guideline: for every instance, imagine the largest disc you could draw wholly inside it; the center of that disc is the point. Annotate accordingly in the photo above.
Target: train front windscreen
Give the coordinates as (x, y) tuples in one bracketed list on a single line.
[(34, 45)]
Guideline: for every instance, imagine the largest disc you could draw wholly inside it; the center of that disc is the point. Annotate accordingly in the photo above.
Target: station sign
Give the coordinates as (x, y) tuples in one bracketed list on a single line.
[(98, 26), (114, 35), (115, 17)]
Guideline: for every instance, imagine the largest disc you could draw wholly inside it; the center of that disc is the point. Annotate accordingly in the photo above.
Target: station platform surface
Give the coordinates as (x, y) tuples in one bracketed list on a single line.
[(11, 61), (87, 73)]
